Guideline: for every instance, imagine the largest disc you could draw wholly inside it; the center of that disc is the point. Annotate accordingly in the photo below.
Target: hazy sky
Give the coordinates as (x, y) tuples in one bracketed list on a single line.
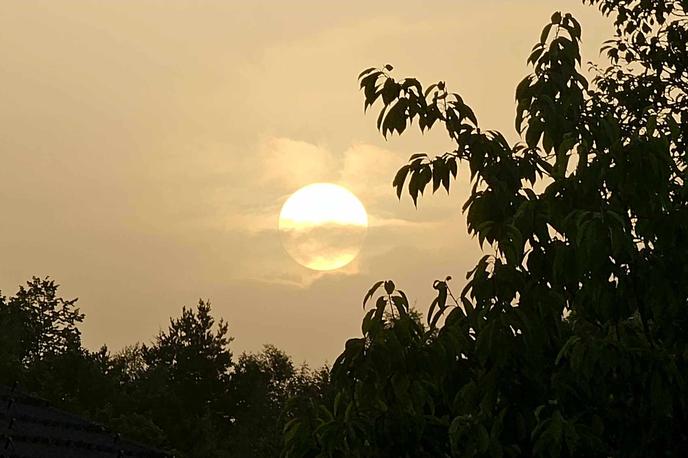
[(146, 148)]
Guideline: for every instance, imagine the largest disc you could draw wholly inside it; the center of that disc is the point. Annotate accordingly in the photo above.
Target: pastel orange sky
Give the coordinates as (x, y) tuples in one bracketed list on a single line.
[(146, 148)]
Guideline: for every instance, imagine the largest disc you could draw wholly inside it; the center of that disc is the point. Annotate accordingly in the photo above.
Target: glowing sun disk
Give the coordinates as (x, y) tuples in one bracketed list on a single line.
[(322, 226)]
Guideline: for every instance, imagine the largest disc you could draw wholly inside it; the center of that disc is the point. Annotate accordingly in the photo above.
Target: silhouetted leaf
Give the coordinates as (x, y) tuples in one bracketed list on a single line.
[(371, 291), (389, 286)]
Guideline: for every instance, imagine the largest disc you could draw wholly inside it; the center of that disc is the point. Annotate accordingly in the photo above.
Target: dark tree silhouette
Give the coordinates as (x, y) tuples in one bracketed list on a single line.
[(186, 383), (570, 338), (181, 393), (37, 325), (44, 324), (261, 387)]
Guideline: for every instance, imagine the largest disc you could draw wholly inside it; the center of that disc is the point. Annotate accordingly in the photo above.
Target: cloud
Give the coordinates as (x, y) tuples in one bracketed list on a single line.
[(366, 170), (324, 247), (280, 166), (290, 164), (284, 165)]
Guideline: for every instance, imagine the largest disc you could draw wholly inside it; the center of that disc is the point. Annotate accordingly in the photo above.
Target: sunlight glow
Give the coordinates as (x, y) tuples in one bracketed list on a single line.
[(322, 226)]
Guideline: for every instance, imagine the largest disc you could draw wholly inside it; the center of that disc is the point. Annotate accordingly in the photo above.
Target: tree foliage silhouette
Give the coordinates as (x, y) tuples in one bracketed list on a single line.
[(182, 393), (263, 385), (47, 322), (37, 324), (570, 338), (186, 382)]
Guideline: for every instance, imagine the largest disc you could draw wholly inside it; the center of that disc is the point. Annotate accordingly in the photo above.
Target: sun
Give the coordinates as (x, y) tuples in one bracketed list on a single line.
[(322, 226)]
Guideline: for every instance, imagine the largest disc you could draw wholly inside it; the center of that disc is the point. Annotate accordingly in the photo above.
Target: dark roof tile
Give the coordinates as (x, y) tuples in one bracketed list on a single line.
[(31, 428)]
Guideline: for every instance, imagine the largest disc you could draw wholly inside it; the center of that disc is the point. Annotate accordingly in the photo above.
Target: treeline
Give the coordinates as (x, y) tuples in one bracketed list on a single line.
[(185, 392)]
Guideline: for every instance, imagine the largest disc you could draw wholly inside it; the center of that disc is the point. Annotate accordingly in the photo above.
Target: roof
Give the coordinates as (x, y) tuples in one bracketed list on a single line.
[(31, 428)]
